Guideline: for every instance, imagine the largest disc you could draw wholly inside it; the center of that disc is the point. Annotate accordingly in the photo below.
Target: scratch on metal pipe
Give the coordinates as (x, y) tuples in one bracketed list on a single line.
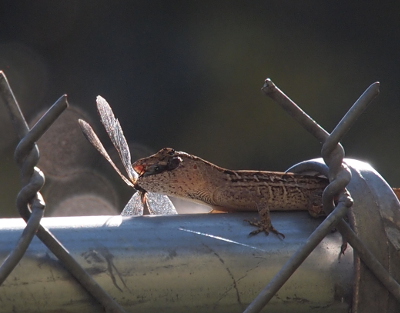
[(231, 276), (221, 238)]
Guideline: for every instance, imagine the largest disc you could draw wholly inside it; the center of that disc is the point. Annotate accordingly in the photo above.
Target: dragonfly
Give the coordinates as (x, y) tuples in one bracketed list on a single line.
[(141, 201)]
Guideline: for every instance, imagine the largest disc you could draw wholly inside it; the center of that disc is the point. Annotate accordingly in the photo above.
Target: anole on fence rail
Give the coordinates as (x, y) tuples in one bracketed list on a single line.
[(180, 174)]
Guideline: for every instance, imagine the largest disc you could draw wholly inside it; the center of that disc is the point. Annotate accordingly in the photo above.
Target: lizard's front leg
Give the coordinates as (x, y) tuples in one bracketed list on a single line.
[(264, 223)]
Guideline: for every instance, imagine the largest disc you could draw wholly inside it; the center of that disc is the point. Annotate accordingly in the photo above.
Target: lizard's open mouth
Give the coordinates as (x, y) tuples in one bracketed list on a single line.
[(140, 169)]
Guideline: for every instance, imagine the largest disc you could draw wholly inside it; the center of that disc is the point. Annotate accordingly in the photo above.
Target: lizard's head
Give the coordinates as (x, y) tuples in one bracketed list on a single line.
[(168, 172), (167, 159)]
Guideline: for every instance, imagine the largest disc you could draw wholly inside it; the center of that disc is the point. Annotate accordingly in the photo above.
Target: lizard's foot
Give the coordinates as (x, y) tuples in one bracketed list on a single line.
[(264, 227)]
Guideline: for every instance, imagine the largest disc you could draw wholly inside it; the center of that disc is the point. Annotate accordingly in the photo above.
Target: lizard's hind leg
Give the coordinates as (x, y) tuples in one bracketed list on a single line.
[(264, 223)]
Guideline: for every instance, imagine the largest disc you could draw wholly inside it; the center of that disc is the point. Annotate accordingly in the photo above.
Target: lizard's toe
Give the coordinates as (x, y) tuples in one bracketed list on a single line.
[(263, 227)]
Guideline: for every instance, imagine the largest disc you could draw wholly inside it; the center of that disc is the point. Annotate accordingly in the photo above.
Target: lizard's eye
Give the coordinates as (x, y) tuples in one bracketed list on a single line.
[(161, 167), (173, 163), (171, 152)]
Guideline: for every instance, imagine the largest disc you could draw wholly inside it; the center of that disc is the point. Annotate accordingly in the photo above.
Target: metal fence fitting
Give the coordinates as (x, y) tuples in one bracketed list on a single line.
[(374, 218), (204, 263)]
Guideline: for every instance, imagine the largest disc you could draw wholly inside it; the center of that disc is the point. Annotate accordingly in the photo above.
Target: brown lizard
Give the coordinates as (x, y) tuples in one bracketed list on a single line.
[(182, 175)]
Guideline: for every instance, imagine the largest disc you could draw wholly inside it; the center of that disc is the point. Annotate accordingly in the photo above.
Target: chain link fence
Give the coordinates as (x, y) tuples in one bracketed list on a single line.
[(206, 262)]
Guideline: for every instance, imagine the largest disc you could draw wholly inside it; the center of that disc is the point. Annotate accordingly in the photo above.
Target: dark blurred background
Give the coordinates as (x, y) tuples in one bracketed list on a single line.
[(187, 74)]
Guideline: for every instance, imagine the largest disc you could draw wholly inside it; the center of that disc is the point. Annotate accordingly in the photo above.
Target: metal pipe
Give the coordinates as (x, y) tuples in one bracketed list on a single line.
[(202, 262)]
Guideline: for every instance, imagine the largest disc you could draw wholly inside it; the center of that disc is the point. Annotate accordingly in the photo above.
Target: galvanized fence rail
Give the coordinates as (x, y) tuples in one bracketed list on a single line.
[(376, 266)]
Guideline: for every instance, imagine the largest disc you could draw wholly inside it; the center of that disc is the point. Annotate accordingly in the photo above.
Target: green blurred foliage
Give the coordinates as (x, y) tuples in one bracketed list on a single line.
[(188, 74)]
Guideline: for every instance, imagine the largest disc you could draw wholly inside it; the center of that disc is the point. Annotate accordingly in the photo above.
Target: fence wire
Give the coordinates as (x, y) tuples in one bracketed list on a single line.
[(30, 203), (339, 176), (336, 199)]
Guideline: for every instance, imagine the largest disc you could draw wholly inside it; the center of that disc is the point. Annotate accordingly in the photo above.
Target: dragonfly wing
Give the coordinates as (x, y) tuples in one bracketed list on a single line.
[(95, 141), (160, 204), (114, 131), (134, 206)]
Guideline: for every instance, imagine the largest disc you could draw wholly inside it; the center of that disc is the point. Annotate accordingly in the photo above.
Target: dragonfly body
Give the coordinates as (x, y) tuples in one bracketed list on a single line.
[(141, 200)]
